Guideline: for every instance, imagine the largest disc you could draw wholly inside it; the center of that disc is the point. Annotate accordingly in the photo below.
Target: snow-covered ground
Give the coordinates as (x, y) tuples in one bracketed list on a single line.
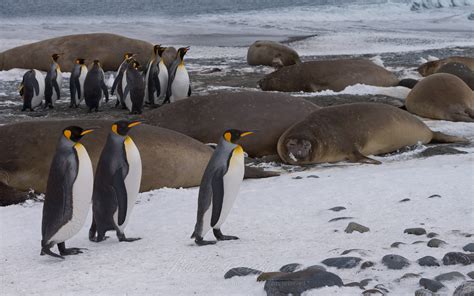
[(279, 220)]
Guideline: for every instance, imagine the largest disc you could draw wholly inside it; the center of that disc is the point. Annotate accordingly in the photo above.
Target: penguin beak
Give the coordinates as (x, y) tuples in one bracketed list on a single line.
[(87, 131), (135, 123), (245, 134)]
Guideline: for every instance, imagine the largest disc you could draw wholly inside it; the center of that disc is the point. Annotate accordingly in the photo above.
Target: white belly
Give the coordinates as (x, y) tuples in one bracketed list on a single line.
[(133, 178), (232, 180), (163, 76), (82, 78), (38, 98), (127, 99), (81, 197), (180, 85), (59, 80)]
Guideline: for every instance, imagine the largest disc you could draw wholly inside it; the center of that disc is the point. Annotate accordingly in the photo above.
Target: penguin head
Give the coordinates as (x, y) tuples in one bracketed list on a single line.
[(122, 127), (128, 55), (96, 64), (233, 135), (135, 64), (161, 50), (80, 61), (182, 51), (75, 133), (156, 48), (56, 56)]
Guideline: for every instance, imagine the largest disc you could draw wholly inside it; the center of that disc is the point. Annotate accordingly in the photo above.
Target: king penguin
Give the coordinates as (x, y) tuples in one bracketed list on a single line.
[(32, 89), (76, 82), (68, 193), (94, 87), (219, 187), (133, 87), (156, 78), (53, 80), (118, 80), (179, 86), (116, 183)]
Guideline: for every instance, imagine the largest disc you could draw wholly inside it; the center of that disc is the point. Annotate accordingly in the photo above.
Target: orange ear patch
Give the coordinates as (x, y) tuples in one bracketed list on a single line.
[(114, 128), (227, 136), (67, 134)]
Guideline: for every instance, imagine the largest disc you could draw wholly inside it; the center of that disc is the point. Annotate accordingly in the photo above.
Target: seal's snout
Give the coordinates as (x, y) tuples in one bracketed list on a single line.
[(298, 149)]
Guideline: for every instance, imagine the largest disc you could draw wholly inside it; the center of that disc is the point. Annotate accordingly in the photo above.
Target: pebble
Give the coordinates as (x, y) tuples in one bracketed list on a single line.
[(415, 231), (367, 264), (435, 243), (423, 292), (431, 235), (340, 218), (428, 261), (410, 276), (352, 226), (404, 200), (393, 261), (337, 209), (360, 251), (431, 285), (240, 271), (469, 247), (312, 176), (297, 178), (434, 195), (471, 274), (290, 267), (372, 292), (450, 276), (452, 258), (396, 244), (342, 262), (465, 289)]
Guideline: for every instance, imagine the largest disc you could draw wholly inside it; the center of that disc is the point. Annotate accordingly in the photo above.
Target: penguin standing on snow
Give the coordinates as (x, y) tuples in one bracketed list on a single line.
[(118, 80), (68, 193), (156, 78), (179, 86), (219, 187), (32, 89), (53, 82), (94, 87), (116, 183), (133, 87), (76, 82)]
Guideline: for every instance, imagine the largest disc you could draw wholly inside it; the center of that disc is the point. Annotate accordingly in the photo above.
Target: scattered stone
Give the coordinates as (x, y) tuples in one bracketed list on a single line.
[(431, 234), (450, 276), (342, 262), (353, 284), (290, 267), (465, 289), (313, 176), (393, 261), (360, 251), (418, 242), (337, 209), (316, 267), (297, 178), (352, 226), (452, 258), (382, 288), (367, 264), (300, 281), (471, 274), (434, 195), (268, 275), (435, 243), (240, 271), (365, 282), (396, 244), (405, 200), (431, 285), (469, 247), (415, 231), (372, 292), (428, 261), (423, 292), (340, 218), (210, 71), (410, 276)]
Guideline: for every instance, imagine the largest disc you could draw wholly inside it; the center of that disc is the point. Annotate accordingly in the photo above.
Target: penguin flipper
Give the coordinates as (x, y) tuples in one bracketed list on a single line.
[(116, 81), (72, 89), (189, 90), (217, 196), (56, 87), (77, 85), (156, 81), (120, 192), (36, 86)]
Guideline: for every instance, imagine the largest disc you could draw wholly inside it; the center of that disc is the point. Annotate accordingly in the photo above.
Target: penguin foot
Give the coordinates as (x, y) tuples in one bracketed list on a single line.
[(71, 251), (202, 242), (221, 237), (98, 239), (122, 238), (46, 251)]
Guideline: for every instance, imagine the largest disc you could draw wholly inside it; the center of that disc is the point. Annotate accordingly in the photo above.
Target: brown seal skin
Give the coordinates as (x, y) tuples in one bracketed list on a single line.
[(271, 53), (442, 96), (353, 131), (460, 70), (169, 159), (205, 118), (432, 67), (334, 75), (107, 48)]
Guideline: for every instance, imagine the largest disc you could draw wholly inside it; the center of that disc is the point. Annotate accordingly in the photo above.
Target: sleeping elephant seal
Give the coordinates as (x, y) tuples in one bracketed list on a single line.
[(205, 118), (335, 75), (270, 53), (432, 67), (353, 131), (108, 48), (442, 96), (460, 70), (169, 159)]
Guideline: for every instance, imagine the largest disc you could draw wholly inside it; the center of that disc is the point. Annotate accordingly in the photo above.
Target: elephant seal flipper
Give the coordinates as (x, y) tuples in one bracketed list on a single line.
[(10, 195), (439, 137), (356, 156)]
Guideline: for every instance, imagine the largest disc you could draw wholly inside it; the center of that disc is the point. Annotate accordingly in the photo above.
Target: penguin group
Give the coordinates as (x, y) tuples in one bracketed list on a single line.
[(134, 85)]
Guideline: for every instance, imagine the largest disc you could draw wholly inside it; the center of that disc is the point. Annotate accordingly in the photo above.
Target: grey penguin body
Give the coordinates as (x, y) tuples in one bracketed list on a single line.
[(95, 88), (133, 87), (117, 85), (76, 83), (32, 89), (53, 82), (179, 85)]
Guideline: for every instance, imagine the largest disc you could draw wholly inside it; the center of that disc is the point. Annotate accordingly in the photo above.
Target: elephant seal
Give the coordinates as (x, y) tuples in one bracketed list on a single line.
[(353, 131), (270, 53), (432, 67), (460, 70), (169, 159), (335, 75), (205, 118), (108, 48), (442, 96)]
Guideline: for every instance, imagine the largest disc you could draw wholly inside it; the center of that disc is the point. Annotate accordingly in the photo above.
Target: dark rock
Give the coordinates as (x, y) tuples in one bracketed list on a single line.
[(410, 276), (300, 281), (431, 234), (340, 218), (428, 261), (450, 276), (393, 261), (469, 247), (290, 267), (418, 242), (297, 178), (404, 200), (435, 243), (471, 16), (372, 292), (396, 244), (313, 176), (382, 288), (415, 231), (240, 271), (423, 292), (337, 209), (471, 274), (353, 284), (342, 262), (210, 71), (452, 258), (408, 82), (352, 226), (315, 267), (440, 150), (434, 195), (431, 285), (365, 282), (465, 289), (353, 250), (367, 264)]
